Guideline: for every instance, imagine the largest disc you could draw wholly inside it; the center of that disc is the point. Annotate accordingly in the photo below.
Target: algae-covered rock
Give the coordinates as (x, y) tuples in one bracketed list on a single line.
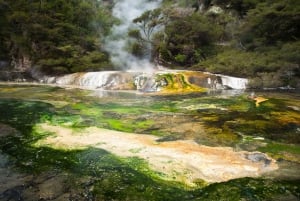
[(6, 130), (166, 83)]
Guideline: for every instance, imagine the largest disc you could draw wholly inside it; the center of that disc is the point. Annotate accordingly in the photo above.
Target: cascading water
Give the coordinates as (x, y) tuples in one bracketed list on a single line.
[(104, 80), (234, 82), (147, 82)]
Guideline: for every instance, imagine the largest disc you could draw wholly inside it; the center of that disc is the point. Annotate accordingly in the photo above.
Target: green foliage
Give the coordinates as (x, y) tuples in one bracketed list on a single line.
[(269, 67), (188, 39), (265, 46), (148, 23), (180, 58), (270, 22), (248, 38), (242, 6), (58, 36)]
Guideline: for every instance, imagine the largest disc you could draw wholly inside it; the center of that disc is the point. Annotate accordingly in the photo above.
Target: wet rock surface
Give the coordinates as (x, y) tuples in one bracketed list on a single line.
[(258, 157), (47, 186), (155, 81), (6, 130), (17, 186), (190, 160)]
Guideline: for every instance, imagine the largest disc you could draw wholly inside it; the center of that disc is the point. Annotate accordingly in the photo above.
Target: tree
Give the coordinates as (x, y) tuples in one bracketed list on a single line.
[(271, 22), (57, 36), (4, 33), (188, 39), (148, 23)]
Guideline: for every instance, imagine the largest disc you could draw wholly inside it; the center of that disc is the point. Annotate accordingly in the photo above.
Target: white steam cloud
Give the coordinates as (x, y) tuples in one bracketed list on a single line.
[(126, 11)]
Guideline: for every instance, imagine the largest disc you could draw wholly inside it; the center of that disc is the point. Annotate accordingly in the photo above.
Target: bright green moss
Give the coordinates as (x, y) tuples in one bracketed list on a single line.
[(116, 124), (22, 115), (143, 124)]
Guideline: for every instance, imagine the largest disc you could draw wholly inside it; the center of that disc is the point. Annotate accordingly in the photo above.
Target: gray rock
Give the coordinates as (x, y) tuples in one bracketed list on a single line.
[(258, 157)]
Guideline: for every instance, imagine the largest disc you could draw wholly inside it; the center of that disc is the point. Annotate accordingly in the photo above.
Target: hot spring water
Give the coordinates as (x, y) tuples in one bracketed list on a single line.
[(51, 146)]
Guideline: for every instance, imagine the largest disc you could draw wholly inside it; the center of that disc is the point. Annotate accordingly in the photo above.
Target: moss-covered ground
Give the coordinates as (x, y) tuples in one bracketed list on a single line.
[(273, 128)]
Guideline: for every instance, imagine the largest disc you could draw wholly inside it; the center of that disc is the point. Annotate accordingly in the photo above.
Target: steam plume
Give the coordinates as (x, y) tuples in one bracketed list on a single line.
[(126, 11)]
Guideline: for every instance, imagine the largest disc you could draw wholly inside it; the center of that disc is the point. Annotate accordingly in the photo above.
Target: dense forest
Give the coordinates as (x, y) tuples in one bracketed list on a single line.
[(258, 39), (56, 36)]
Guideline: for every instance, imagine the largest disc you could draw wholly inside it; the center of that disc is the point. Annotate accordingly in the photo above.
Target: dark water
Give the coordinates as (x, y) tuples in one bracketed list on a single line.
[(29, 172)]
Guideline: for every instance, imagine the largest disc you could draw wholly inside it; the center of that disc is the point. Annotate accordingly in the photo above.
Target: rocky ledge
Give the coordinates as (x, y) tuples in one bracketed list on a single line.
[(183, 161)]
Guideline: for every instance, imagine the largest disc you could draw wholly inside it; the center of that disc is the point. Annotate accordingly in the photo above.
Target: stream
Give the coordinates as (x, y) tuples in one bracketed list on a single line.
[(65, 143)]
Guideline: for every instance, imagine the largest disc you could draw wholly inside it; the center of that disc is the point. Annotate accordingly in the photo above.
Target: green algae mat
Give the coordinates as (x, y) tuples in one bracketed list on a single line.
[(32, 167)]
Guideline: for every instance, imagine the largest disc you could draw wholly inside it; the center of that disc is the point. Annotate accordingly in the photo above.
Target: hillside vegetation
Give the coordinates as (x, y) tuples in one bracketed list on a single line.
[(258, 39), (247, 38), (55, 36)]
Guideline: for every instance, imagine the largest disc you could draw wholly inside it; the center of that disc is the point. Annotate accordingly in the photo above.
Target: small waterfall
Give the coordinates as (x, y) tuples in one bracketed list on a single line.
[(233, 82), (146, 82), (150, 82), (103, 80), (68, 79)]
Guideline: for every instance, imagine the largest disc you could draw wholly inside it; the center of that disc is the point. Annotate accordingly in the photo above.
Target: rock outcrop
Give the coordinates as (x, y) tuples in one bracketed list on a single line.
[(172, 81)]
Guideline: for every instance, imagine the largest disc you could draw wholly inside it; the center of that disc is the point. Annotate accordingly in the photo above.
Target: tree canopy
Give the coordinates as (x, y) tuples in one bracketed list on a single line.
[(249, 38), (58, 36)]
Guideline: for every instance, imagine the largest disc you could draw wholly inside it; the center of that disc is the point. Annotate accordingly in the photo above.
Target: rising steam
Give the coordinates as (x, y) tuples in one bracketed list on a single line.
[(126, 11)]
